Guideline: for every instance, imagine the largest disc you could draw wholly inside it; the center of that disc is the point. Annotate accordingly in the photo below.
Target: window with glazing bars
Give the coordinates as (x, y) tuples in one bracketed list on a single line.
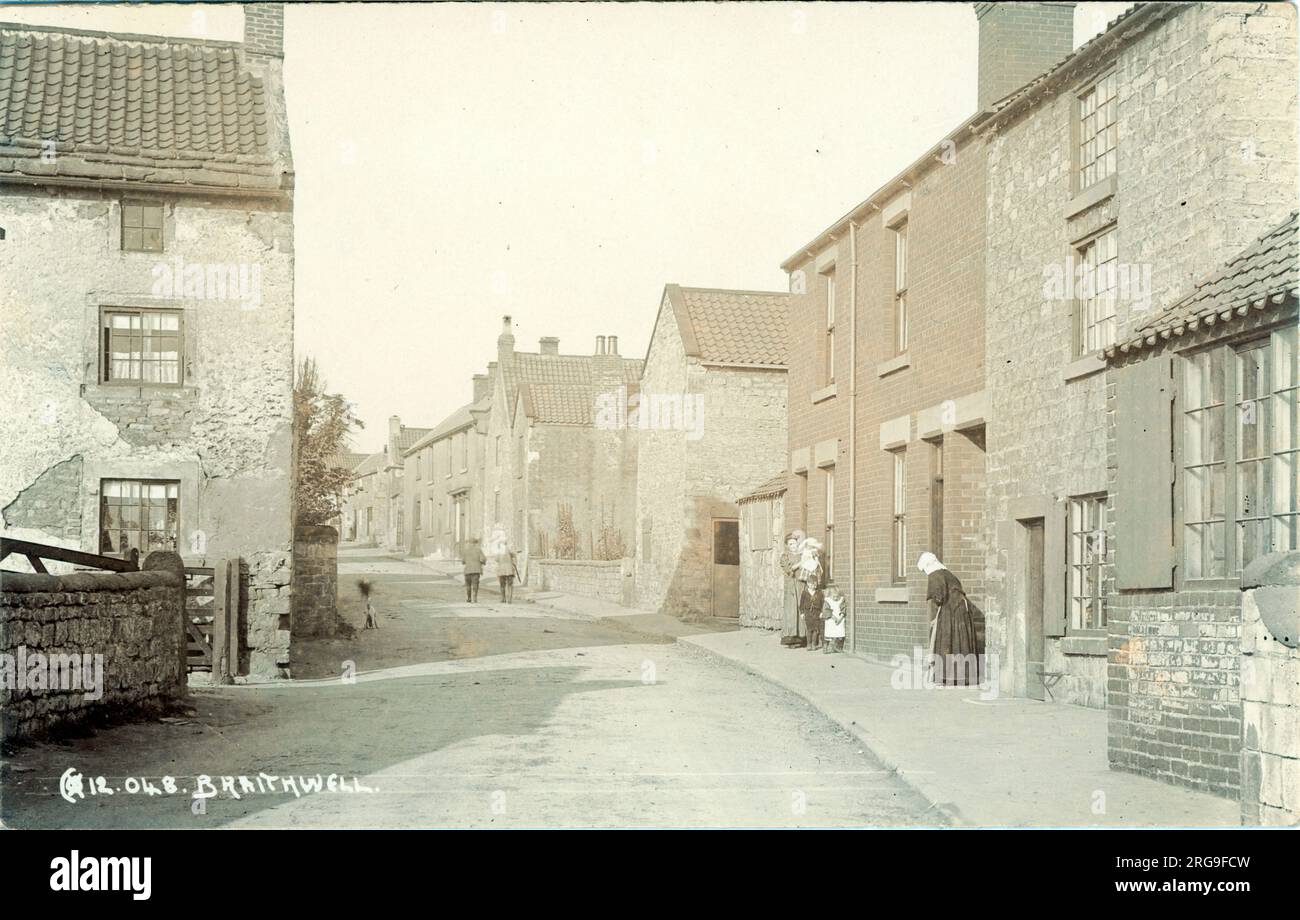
[(1098, 132), (141, 346), (1099, 260), (138, 514)]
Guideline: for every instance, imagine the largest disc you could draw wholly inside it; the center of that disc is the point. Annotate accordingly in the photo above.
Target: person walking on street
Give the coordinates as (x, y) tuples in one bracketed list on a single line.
[(506, 569), (474, 561)]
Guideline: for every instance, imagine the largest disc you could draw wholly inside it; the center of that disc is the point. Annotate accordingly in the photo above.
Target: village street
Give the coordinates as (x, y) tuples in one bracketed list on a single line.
[(478, 716)]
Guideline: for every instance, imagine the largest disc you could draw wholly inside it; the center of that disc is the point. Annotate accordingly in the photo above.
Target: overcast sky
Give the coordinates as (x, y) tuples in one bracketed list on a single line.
[(562, 162)]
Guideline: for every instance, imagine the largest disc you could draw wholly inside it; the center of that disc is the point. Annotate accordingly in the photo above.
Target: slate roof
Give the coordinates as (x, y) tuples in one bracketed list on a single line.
[(461, 418), (1263, 276), (770, 489), (732, 327), (156, 110)]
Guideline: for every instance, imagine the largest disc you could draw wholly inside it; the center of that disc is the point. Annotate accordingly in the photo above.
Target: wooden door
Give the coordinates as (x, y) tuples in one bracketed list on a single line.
[(726, 567)]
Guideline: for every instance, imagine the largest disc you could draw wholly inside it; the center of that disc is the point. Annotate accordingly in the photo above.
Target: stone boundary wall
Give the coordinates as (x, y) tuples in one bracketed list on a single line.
[(315, 581), (91, 647), (609, 580)]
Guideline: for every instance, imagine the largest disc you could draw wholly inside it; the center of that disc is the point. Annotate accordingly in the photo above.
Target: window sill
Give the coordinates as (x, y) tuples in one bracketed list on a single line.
[(825, 393), (1094, 195), (899, 595), (140, 390), (1094, 646), (893, 364), (1083, 367)]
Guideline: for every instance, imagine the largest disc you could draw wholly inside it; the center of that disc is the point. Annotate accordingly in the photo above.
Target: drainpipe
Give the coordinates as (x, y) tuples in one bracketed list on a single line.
[(853, 432)]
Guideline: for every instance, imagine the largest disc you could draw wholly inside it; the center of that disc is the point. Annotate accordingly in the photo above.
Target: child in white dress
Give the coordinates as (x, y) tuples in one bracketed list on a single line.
[(834, 615)]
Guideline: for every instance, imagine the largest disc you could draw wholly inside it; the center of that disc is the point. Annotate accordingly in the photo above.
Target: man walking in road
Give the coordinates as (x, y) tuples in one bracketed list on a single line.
[(474, 561)]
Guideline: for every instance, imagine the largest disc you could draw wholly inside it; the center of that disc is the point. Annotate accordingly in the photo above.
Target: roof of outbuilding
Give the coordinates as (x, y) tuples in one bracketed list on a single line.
[(155, 110), (749, 328), (1263, 276), (371, 464), (770, 489)]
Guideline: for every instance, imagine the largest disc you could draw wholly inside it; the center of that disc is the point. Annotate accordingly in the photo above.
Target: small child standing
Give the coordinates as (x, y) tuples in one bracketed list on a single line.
[(833, 617)]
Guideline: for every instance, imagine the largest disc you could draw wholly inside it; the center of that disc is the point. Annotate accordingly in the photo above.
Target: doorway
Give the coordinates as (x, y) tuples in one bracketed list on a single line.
[(726, 567), (1035, 649)]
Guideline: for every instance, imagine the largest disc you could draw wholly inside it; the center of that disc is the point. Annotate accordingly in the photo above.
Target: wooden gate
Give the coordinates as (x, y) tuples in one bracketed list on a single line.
[(213, 598)]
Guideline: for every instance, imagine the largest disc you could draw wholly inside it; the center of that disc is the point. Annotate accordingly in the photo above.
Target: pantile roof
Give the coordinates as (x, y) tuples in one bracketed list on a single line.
[(1263, 276), (732, 327), (155, 110)]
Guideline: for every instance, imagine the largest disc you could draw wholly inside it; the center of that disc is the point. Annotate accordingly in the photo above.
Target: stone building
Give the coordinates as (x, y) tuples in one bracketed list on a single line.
[(559, 462), (391, 484), (147, 302), (1203, 465), (762, 538), (887, 400), (1160, 148), (365, 511), (443, 480), (711, 426)]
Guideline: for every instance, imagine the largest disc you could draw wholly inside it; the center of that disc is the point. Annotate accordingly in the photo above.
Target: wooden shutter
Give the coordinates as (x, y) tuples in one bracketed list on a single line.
[(1144, 517), (1055, 570)]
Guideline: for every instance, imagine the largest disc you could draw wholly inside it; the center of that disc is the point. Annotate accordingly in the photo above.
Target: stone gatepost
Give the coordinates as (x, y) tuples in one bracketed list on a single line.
[(1270, 691)]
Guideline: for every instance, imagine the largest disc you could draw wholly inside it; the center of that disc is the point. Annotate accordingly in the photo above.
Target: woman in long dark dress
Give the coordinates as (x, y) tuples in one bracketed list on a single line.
[(793, 634), (954, 643)]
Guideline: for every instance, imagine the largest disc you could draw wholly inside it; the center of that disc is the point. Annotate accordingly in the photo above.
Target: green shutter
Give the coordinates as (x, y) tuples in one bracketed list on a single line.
[(1144, 519)]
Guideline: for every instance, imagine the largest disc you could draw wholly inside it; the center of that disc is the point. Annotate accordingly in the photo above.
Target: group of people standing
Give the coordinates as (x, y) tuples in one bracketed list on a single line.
[(503, 553), (815, 611)]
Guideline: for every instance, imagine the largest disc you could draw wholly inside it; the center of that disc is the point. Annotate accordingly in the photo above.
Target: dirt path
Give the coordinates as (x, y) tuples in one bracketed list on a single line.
[(464, 716)]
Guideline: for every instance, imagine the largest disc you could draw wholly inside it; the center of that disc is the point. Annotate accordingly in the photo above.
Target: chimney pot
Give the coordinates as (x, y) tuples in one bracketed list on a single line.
[(613, 344), (600, 344)]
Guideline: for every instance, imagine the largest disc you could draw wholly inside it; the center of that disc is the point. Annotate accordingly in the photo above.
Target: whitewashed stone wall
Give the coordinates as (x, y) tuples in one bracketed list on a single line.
[(225, 434)]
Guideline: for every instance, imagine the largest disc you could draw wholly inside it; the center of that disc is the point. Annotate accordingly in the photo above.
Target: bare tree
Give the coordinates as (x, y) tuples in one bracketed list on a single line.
[(322, 425)]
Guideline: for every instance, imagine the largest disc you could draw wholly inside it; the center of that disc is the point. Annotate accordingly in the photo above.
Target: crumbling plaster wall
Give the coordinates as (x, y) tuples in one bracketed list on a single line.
[(225, 433)]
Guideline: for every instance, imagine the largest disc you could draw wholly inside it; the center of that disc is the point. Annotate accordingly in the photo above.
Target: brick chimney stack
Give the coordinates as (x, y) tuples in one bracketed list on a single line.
[(480, 386), (264, 28), (1019, 41), (549, 345), (505, 342)]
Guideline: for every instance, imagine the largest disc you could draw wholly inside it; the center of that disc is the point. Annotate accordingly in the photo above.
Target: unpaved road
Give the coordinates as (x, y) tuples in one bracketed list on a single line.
[(479, 716)]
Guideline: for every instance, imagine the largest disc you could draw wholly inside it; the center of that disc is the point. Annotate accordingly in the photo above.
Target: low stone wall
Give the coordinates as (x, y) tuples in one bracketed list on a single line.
[(315, 581), (92, 647), (609, 580)]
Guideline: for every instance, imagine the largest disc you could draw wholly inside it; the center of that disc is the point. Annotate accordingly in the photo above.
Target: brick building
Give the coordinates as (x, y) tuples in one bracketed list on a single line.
[(148, 302), (887, 400), (1159, 148), (559, 476), (711, 426), (1203, 397)]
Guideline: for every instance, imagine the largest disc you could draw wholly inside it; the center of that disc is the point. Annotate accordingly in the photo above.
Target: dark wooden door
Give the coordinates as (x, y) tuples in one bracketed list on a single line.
[(726, 568)]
